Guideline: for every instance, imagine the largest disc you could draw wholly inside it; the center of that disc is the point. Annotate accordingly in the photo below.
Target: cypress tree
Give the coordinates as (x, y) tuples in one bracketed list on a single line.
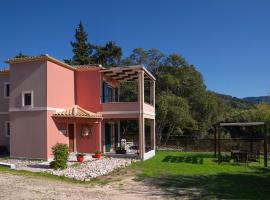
[(81, 48)]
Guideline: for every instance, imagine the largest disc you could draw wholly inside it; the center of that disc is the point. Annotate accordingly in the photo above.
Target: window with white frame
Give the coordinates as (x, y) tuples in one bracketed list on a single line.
[(7, 128), (27, 99), (6, 90)]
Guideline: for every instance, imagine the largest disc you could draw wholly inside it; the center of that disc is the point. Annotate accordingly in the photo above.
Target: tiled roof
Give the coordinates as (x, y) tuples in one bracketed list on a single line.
[(47, 57), (87, 67), (38, 58), (77, 111)]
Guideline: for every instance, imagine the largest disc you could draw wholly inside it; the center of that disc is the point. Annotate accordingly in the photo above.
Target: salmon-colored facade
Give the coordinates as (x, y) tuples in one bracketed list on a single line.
[(46, 101)]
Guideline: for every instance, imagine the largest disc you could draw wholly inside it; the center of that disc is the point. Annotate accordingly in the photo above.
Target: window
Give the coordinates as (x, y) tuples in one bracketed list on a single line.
[(6, 90), (7, 129), (108, 93), (27, 99)]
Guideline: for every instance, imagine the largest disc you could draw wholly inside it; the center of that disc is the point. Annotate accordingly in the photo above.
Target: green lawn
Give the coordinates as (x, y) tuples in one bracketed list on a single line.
[(199, 176)]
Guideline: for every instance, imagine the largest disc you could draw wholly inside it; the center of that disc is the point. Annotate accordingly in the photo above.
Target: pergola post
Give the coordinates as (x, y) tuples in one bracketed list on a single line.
[(152, 93), (219, 145), (265, 145), (141, 116), (153, 134), (215, 141)]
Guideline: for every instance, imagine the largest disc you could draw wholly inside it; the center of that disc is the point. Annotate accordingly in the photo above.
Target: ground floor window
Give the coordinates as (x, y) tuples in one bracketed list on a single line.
[(7, 128)]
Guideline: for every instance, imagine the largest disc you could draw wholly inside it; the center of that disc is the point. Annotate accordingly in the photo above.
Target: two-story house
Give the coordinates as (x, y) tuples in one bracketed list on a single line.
[(44, 101)]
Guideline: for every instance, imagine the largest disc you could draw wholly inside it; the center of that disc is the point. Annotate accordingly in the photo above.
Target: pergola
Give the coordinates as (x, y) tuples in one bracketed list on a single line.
[(241, 124), (123, 74)]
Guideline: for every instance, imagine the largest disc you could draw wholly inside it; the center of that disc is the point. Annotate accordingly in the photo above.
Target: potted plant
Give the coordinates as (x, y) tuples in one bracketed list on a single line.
[(80, 157), (98, 154), (120, 150)]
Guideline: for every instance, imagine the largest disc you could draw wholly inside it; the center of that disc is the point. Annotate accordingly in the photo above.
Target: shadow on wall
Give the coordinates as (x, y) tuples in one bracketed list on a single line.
[(251, 185)]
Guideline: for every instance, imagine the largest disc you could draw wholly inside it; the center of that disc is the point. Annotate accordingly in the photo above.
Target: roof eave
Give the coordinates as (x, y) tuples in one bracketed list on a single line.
[(39, 58)]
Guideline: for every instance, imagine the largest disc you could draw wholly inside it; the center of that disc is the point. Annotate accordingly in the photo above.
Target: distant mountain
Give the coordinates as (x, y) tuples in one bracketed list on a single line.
[(244, 103), (234, 102), (261, 99)]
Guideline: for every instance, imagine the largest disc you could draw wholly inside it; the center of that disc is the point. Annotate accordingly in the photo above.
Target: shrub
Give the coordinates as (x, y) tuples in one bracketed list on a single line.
[(61, 154), (97, 152)]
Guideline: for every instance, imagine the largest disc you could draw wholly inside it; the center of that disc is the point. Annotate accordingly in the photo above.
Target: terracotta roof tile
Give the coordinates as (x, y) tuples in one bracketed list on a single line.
[(77, 111), (38, 58), (87, 67)]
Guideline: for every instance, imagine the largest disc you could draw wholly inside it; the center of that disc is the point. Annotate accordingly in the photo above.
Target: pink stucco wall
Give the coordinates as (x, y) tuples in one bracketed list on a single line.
[(28, 135), (88, 90), (89, 144), (4, 106), (53, 133), (60, 95), (60, 86), (28, 125), (33, 131)]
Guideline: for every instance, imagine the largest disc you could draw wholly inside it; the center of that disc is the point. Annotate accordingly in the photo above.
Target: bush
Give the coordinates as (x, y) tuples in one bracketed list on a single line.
[(97, 152), (61, 154)]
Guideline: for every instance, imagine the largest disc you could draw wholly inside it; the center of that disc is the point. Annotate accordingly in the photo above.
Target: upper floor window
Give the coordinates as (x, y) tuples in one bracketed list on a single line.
[(27, 99), (7, 129), (109, 94), (6, 90)]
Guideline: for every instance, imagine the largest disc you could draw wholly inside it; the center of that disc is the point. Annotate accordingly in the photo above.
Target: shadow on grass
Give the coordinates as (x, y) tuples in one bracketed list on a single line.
[(186, 159), (250, 185)]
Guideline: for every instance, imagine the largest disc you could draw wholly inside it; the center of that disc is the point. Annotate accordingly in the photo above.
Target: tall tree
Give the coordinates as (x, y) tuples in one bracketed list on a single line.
[(151, 59), (82, 50), (109, 55), (21, 55)]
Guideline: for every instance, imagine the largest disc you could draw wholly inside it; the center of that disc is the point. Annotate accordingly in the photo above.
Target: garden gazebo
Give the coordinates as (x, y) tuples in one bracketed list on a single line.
[(262, 125)]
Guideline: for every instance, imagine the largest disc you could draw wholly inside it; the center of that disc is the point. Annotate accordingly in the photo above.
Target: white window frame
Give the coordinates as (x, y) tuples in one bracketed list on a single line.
[(6, 128), (5, 90), (32, 99)]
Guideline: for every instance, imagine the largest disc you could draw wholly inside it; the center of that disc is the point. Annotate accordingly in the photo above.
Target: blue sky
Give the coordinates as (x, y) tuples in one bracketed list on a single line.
[(227, 40)]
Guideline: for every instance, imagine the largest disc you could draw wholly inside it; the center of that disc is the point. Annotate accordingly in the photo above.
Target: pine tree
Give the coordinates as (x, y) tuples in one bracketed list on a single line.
[(21, 55), (81, 48), (108, 55)]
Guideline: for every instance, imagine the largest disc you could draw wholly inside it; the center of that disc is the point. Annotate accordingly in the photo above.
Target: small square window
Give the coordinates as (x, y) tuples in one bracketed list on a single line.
[(27, 99), (6, 90), (7, 129)]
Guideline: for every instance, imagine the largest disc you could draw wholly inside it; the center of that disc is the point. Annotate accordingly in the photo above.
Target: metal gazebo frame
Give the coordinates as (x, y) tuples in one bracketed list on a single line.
[(242, 124)]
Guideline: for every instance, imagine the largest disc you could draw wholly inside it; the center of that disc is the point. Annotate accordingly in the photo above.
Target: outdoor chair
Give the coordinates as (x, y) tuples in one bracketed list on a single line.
[(254, 156), (239, 156)]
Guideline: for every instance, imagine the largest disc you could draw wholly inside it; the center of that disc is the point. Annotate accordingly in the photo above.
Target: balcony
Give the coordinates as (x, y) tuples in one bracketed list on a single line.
[(144, 100)]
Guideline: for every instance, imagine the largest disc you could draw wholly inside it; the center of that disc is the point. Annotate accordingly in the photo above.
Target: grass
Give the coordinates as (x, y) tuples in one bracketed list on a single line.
[(199, 176), (192, 175)]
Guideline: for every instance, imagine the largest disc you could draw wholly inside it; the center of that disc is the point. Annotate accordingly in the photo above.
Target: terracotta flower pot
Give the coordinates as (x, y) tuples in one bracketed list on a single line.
[(80, 158), (98, 155)]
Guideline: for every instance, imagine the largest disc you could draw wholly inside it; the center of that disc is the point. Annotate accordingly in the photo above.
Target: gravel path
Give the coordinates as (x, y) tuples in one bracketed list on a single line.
[(92, 169), (20, 163), (78, 171), (24, 187)]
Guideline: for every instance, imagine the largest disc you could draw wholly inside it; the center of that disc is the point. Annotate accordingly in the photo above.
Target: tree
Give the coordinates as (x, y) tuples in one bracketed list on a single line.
[(173, 116), (81, 48), (151, 59), (108, 55), (21, 55)]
